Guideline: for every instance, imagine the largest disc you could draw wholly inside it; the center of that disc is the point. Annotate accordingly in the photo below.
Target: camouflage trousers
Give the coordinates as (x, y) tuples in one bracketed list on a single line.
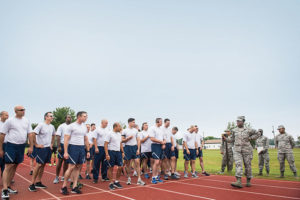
[(241, 158), (263, 159), (230, 162), (290, 158)]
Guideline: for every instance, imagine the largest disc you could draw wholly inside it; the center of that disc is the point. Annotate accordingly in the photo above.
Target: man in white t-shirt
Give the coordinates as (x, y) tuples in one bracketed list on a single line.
[(99, 135), (158, 144), (3, 117), (15, 130), (166, 164), (114, 153), (75, 143), (200, 143), (44, 137), (60, 149), (145, 148), (90, 136), (190, 151), (132, 142)]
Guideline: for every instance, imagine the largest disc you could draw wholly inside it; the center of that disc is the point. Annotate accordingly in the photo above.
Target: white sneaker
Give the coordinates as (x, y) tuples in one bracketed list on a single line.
[(5, 194), (134, 173), (176, 173), (128, 181), (56, 180), (194, 175), (11, 191), (169, 174), (186, 175), (140, 182)]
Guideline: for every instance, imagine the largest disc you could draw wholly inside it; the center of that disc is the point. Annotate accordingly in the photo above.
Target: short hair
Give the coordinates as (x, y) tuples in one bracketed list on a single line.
[(143, 125), (93, 124), (46, 114), (80, 113), (157, 120), (68, 116), (131, 120), (115, 125), (166, 120), (175, 128)]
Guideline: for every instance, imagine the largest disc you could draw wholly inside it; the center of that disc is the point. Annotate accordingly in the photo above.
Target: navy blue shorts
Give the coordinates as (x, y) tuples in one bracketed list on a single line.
[(167, 151), (176, 153), (156, 151), (115, 158), (76, 154), (146, 155), (60, 154), (43, 155), (191, 156), (200, 154), (33, 154), (14, 153), (92, 154), (130, 152), (2, 160)]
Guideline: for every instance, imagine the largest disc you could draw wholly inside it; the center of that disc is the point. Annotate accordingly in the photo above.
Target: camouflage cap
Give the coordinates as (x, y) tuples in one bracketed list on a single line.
[(241, 118), (280, 127), (260, 130)]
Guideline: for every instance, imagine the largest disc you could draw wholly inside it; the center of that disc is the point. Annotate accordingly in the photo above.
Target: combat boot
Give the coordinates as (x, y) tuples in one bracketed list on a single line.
[(260, 173), (248, 184), (238, 183), (268, 172), (281, 175), (295, 174)]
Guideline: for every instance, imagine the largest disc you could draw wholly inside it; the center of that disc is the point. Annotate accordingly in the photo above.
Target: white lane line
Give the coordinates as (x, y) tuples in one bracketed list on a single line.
[(55, 197), (241, 191)]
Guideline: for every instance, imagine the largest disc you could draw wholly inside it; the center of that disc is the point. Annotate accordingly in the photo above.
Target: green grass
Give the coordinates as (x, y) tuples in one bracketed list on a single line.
[(213, 159)]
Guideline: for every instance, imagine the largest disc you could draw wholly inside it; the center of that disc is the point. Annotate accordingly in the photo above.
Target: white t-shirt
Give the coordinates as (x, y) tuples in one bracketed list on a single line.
[(16, 130), (156, 132), (77, 133), (1, 125), (61, 130), (131, 132), (167, 134), (190, 139), (91, 136), (100, 135), (114, 141), (146, 146), (44, 133), (199, 139)]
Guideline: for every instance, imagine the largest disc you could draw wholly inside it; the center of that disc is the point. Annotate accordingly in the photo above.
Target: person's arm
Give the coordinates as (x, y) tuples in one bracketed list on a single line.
[(292, 141), (138, 144), (52, 142), (66, 143), (172, 142), (254, 134), (144, 139), (126, 139), (87, 146), (196, 146), (1, 144), (153, 139), (58, 143), (106, 150), (186, 148), (267, 144), (122, 150)]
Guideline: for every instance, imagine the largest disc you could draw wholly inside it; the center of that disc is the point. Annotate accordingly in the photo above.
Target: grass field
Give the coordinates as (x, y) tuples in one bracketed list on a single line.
[(213, 159)]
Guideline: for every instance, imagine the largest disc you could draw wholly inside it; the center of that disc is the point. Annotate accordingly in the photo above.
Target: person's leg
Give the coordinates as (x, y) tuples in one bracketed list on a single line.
[(248, 169), (40, 173), (238, 159), (54, 158), (12, 174), (118, 175), (96, 167), (230, 162), (193, 166), (88, 169), (36, 172), (76, 172), (260, 163), (281, 159), (6, 175), (202, 164), (58, 167), (68, 174), (291, 160), (173, 163), (31, 164), (267, 162), (138, 169), (110, 174), (224, 162)]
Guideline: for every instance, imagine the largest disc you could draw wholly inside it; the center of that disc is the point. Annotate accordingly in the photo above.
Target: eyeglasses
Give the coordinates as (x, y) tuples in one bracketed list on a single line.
[(21, 109), (51, 116)]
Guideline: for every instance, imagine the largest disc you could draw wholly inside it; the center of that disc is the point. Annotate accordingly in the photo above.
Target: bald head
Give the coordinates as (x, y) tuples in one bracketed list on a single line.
[(20, 111), (104, 123), (4, 116)]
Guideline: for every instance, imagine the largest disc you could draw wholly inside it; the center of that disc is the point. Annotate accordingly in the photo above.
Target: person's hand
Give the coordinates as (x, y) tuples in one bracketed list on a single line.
[(138, 152), (130, 137), (223, 136), (172, 148), (197, 152), (66, 155), (51, 147), (88, 155), (59, 149), (123, 155), (96, 150), (107, 157), (188, 152), (163, 146), (29, 151)]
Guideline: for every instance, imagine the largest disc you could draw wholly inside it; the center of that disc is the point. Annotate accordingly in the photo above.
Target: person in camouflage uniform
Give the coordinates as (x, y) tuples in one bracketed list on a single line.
[(224, 153), (263, 156), (285, 143), (242, 151)]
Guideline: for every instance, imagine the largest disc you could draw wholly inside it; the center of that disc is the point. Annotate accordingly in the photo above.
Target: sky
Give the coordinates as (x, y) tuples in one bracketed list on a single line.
[(195, 62)]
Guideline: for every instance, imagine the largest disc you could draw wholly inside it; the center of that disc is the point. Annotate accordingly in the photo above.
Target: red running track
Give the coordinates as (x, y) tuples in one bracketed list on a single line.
[(210, 188)]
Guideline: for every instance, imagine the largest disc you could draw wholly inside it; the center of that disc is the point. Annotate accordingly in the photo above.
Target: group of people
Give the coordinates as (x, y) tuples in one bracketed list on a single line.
[(149, 150), (236, 147)]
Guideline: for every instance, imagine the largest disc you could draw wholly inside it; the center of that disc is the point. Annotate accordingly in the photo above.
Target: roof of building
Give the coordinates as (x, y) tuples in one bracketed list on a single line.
[(213, 141)]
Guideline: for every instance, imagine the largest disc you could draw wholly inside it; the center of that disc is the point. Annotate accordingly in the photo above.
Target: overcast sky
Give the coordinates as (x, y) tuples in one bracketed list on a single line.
[(195, 62)]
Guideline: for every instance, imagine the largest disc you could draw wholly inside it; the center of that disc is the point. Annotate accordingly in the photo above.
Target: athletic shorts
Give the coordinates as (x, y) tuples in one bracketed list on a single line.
[(156, 151), (167, 151), (176, 153), (43, 155), (54, 150), (200, 154), (130, 152), (60, 154), (191, 156), (146, 155), (33, 154), (77, 154), (14, 153), (115, 158)]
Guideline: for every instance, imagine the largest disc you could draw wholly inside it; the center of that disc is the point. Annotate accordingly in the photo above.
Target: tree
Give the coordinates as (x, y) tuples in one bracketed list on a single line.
[(210, 138), (33, 125), (60, 115)]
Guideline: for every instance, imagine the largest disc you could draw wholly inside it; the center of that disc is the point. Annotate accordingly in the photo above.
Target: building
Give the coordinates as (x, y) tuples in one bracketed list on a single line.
[(213, 144)]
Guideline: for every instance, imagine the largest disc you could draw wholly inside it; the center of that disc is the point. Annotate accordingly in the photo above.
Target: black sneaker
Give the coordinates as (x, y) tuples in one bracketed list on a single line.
[(205, 173), (111, 186), (32, 188), (5, 194), (88, 177), (80, 177), (12, 191), (105, 179), (64, 191), (118, 185), (40, 185), (76, 190), (31, 172), (95, 181)]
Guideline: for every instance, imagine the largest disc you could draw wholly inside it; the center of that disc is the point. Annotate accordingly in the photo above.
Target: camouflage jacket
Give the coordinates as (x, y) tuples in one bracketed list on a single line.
[(229, 145), (263, 141), (241, 139), (284, 143)]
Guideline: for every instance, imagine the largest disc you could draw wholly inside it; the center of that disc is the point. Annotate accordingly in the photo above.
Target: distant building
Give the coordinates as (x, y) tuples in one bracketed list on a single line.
[(213, 144)]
